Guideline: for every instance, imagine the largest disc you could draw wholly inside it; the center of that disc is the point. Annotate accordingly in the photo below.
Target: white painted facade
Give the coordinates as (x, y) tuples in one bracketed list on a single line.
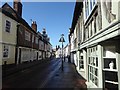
[(98, 40), (7, 40), (58, 53), (27, 54), (66, 52)]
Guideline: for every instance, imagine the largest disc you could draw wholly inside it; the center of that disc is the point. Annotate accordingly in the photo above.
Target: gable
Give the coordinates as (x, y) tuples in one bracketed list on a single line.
[(10, 12), (9, 9)]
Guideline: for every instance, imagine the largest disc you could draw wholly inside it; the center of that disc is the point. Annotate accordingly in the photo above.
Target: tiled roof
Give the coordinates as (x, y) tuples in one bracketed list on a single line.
[(10, 12)]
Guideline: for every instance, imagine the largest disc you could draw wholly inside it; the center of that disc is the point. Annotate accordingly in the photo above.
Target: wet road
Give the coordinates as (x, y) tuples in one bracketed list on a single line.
[(34, 77)]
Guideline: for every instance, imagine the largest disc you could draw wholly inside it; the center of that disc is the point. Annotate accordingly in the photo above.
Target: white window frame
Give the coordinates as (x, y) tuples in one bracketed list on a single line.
[(6, 49), (93, 65), (7, 26)]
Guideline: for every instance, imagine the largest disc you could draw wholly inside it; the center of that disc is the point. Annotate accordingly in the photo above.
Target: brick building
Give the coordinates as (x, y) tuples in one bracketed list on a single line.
[(29, 44)]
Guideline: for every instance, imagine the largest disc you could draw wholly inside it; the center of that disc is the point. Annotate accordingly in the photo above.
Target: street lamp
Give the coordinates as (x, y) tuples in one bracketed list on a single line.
[(62, 40)]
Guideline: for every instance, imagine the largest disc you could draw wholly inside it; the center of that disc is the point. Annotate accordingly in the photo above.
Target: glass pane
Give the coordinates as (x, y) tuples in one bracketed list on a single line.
[(96, 61), (96, 72), (93, 79), (90, 77), (89, 60), (90, 69), (96, 81)]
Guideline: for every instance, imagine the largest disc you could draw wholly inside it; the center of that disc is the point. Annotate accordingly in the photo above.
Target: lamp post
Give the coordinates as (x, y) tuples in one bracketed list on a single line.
[(62, 40)]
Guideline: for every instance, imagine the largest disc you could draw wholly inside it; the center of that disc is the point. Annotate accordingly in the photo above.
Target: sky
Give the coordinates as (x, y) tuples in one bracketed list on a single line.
[(56, 17)]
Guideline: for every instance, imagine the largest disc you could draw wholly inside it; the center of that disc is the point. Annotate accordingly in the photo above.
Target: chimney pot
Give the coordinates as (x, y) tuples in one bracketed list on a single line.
[(34, 26)]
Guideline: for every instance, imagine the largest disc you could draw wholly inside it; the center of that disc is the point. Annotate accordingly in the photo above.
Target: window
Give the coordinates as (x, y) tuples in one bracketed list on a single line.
[(5, 51), (90, 4), (36, 40), (27, 36), (93, 2), (97, 23), (81, 62), (94, 24), (32, 38), (40, 44), (93, 65), (91, 28), (8, 25), (87, 8), (86, 33)]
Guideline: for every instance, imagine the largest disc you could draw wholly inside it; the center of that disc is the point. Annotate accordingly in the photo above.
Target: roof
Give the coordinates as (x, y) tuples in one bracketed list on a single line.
[(10, 12), (7, 14), (77, 10)]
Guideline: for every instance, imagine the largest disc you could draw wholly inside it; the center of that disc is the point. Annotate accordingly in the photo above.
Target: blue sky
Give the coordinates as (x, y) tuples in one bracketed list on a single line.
[(56, 17)]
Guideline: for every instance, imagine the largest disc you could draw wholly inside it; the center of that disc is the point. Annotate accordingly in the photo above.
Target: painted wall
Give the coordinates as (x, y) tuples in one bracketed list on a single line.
[(99, 35), (8, 39)]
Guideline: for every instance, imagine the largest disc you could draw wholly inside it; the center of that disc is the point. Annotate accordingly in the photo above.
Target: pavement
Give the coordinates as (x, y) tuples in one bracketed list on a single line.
[(67, 79), (11, 69)]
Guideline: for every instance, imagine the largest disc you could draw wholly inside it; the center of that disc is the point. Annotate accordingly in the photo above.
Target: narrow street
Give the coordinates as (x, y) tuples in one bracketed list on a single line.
[(46, 75), (33, 77), (60, 44)]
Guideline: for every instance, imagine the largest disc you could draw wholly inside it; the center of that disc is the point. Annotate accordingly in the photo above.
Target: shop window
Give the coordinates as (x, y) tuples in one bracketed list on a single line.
[(110, 68), (93, 65)]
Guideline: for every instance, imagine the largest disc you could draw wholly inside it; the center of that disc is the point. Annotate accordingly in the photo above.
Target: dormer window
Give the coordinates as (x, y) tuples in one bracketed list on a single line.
[(8, 26)]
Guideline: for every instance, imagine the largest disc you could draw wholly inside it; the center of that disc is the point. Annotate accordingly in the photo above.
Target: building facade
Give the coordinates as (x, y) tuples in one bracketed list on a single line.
[(58, 52), (7, 37), (98, 51), (66, 52), (20, 42)]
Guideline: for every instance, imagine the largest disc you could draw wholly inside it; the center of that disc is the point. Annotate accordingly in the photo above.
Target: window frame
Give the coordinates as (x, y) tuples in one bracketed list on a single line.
[(4, 51), (36, 40), (93, 65), (33, 38), (27, 35), (7, 28)]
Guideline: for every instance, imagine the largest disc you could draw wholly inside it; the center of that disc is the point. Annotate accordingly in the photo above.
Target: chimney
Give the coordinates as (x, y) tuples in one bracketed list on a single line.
[(17, 5), (34, 26)]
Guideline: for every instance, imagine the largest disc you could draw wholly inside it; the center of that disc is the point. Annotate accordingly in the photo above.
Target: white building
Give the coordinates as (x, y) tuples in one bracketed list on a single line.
[(58, 53), (7, 38), (97, 23)]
